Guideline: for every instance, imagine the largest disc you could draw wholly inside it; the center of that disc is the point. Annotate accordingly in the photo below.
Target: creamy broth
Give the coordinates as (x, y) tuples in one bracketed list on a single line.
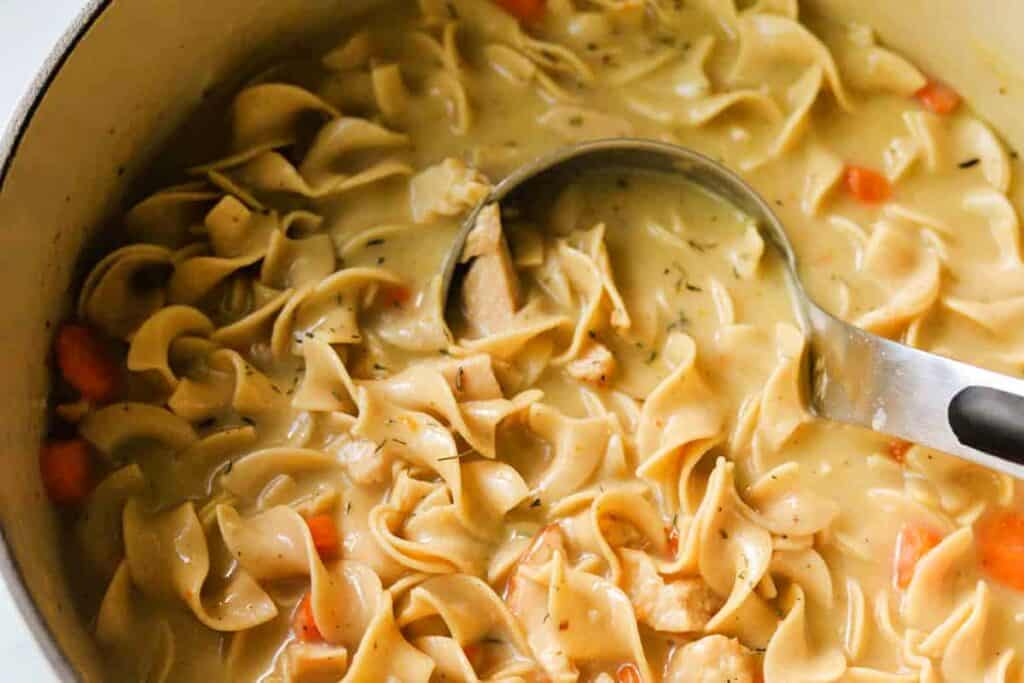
[(604, 470)]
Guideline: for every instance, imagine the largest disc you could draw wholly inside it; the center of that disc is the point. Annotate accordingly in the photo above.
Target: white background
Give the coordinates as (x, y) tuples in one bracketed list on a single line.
[(28, 30)]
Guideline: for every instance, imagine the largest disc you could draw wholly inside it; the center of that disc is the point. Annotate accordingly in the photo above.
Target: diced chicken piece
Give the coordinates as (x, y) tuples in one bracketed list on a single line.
[(365, 462), (314, 662), (595, 365), (487, 235), (680, 606), (490, 290), (712, 659), (446, 189)]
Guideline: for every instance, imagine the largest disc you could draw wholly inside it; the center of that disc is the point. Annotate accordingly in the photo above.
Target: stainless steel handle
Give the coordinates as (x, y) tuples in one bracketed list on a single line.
[(938, 402)]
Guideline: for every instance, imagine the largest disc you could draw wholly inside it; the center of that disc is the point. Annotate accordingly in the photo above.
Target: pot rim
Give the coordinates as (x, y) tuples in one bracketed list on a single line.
[(10, 139)]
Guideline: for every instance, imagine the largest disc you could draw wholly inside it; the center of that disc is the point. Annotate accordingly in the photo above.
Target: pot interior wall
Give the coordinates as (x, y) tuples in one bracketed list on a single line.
[(138, 73), (975, 46), (142, 69)]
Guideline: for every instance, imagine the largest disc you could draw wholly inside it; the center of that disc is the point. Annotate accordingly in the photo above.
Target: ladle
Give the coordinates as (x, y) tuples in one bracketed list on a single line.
[(849, 375)]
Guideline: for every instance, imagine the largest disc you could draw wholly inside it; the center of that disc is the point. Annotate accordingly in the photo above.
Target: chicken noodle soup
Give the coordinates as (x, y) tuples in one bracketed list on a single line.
[(276, 461)]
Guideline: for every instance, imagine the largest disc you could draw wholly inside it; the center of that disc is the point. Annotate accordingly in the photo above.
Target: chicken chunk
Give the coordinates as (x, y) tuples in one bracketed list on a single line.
[(595, 365), (314, 662), (680, 606), (365, 462), (490, 290), (446, 189), (712, 659)]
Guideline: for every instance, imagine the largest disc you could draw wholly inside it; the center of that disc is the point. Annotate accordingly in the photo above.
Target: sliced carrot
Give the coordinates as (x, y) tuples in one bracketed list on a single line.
[(897, 449), (473, 653), (85, 364), (628, 673), (867, 185), (938, 97), (913, 542), (529, 11), (66, 468), (673, 540), (304, 623), (1000, 539), (325, 535), (396, 296)]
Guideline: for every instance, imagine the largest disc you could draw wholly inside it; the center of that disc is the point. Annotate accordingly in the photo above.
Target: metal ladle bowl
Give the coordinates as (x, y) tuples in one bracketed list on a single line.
[(849, 375)]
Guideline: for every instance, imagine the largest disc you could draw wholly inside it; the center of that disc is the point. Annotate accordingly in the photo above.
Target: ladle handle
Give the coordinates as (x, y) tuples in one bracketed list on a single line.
[(990, 420), (927, 399)]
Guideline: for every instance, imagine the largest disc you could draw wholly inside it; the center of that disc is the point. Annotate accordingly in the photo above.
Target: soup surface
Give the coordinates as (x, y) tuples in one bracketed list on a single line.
[(278, 462)]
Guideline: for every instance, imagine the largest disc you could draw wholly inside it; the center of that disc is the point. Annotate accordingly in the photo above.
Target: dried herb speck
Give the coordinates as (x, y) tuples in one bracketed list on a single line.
[(701, 246)]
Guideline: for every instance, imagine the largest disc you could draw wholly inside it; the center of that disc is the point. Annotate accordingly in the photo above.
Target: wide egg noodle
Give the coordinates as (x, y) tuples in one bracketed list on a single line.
[(151, 345), (460, 601), (733, 555), (679, 423), (385, 654), (277, 544), (111, 428), (790, 656), (111, 298), (168, 558), (912, 271), (583, 605)]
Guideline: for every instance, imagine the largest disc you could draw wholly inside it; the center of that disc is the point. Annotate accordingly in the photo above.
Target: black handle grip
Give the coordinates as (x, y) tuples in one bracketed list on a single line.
[(989, 420)]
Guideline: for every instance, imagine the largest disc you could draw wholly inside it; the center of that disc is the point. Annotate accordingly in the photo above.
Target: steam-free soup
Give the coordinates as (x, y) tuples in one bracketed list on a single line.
[(289, 464)]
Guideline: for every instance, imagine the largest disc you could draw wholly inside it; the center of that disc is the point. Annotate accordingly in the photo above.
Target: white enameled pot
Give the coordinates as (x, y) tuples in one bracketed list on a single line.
[(116, 85)]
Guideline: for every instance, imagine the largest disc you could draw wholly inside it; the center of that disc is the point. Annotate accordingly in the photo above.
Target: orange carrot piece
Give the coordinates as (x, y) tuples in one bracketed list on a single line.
[(673, 540), (1000, 539), (867, 185), (84, 363), (529, 11), (325, 535), (628, 673), (913, 542), (395, 296), (66, 468), (304, 623), (473, 653), (897, 449), (938, 98)]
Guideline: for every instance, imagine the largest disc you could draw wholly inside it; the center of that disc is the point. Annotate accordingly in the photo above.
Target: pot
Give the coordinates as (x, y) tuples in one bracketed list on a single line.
[(127, 74)]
